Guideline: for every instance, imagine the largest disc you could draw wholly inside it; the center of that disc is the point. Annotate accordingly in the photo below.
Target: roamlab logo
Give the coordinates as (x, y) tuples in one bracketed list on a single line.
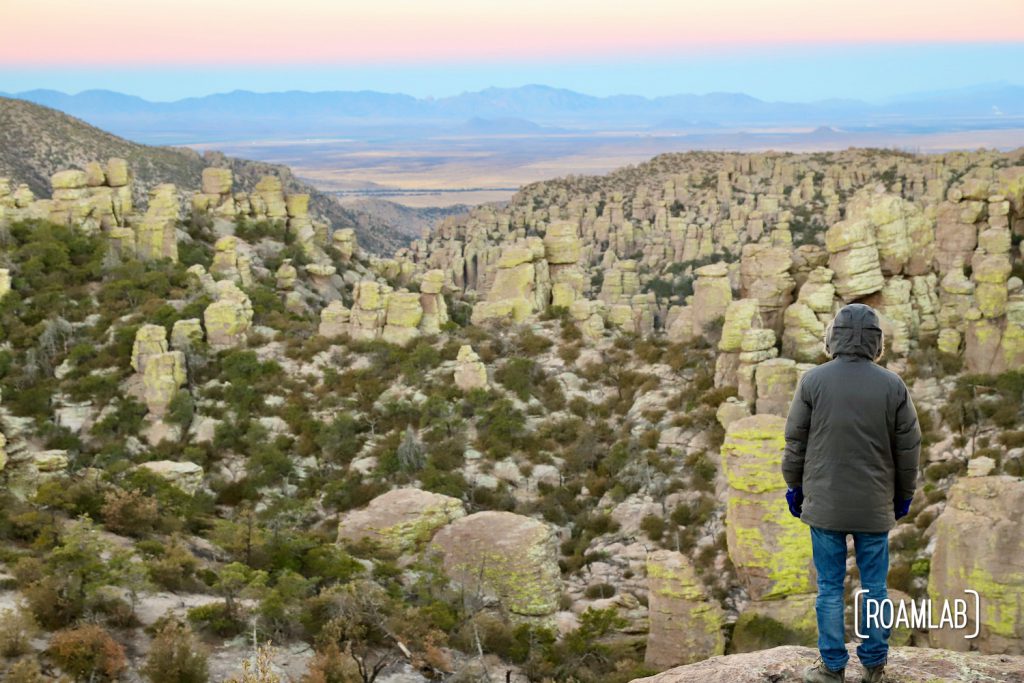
[(951, 614)]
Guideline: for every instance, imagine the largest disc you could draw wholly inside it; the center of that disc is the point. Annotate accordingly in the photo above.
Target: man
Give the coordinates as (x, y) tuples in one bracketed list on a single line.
[(852, 446)]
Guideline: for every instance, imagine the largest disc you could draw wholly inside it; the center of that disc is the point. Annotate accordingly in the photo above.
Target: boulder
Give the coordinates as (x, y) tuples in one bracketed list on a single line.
[(186, 476), (685, 624), (401, 519), (505, 556), (117, 172)]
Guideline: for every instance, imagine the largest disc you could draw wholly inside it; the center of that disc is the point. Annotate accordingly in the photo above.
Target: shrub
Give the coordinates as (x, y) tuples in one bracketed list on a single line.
[(25, 670), (17, 628), (132, 513), (176, 657), (88, 653)]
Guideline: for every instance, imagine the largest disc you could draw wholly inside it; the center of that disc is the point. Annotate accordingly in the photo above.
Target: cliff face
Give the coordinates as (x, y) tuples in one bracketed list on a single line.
[(786, 665)]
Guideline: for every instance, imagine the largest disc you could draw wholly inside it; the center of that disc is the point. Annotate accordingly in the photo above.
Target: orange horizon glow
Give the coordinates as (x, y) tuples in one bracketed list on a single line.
[(238, 32)]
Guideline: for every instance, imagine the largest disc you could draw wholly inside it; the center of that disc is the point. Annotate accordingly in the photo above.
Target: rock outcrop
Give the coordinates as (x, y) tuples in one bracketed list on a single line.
[(504, 556), (787, 664), (401, 519), (186, 476), (685, 625), (979, 545)]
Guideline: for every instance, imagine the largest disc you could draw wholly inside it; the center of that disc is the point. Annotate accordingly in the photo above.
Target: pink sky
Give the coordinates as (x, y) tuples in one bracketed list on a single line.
[(193, 32)]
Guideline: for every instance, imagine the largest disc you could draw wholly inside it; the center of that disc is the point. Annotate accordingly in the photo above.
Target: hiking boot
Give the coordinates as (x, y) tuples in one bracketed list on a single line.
[(819, 673), (874, 674)]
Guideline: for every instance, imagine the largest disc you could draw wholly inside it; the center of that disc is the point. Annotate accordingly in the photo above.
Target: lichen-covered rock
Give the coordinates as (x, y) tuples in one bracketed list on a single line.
[(156, 236), (854, 259), (776, 381), (803, 335), (334, 320), (401, 519), (271, 194), (403, 317), (217, 181), (150, 340), (979, 545), (345, 242), (770, 549), (786, 664), (286, 275), (117, 172), (227, 320), (562, 243), (470, 372), (72, 179), (435, 309), (163, 376), (769, 623), (685, 625), (5, 282), (186, 334), (740, 316), (185, 476), (712, 295), (506, 556), (765, 276)]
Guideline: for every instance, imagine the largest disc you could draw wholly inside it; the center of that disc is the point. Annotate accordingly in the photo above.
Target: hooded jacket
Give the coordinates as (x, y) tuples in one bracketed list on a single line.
[(852, 436)]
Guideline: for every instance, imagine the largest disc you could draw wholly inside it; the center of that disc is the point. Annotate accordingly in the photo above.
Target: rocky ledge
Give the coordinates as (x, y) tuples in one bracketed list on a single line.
[(906, 665)]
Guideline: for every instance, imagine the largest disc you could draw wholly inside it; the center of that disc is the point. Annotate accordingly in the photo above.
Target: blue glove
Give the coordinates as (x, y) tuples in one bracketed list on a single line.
[(901, 507), (795, 498)]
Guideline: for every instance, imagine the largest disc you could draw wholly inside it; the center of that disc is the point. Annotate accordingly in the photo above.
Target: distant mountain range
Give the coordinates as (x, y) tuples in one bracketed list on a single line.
[(527, 110)]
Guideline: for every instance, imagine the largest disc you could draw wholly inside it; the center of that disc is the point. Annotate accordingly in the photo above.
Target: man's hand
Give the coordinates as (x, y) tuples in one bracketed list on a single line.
[(901, 507), (795, 498)]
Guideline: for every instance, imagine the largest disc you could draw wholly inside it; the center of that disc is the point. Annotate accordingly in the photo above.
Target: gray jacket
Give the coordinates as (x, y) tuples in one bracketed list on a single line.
[(852, 437)]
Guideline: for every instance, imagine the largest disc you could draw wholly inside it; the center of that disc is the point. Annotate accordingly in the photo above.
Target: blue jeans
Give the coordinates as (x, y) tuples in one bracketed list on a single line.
[(829, 548)]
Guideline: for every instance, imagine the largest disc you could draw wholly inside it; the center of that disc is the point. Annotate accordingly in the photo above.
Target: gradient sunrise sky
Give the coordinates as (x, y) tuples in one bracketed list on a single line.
[(777, 49)]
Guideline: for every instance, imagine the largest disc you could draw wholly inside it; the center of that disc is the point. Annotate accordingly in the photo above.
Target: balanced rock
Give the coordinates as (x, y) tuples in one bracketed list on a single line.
[(401, 519), (506, 556)]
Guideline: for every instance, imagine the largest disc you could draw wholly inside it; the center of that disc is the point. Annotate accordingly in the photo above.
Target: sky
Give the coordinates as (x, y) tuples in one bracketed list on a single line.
[(774, 49)]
